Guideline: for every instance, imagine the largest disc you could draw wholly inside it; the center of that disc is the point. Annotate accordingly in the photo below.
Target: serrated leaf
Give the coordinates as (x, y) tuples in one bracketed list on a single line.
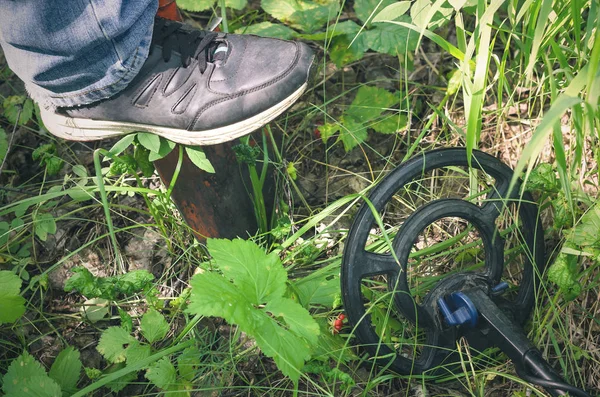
[(390, 124), (392, 39), (563, 273), (302, 14), (213, 295), (236, 4), (296, 318), (198, 157), (365, 8), (259, 276), (392, 11), (154, 326), (585, 233), (12, 305), (369, 103), (11, 109), (113, 343), (26, 377), (44, 224), (268, 29), (53, 165), (195, 5), (543, 177), (353, 133), (149, 141), (162, 373), (66, 369), (3, 145), (137, 352)]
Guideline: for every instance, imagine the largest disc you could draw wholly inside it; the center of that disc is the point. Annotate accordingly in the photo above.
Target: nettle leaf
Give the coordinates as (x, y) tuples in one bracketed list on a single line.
[(113, 344), (110, 288), (66, 369), (269, 29), (26, 377), (563, 273), (12, 305), (162, 373), (11, 109), (392, 39), (283, 329), (260, 276), (305, 15), (154, 326), (365, 8), (198, 157)]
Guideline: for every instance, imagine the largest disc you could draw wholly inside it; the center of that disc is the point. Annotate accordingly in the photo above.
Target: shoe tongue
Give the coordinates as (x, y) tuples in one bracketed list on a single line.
[(220, 52)]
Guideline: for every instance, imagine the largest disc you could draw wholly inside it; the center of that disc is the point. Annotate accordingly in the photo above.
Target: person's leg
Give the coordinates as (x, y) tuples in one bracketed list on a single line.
[(75, 52)]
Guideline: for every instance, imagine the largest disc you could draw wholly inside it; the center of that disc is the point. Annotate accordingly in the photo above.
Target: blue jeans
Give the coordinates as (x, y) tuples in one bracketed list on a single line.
[(75, 52)]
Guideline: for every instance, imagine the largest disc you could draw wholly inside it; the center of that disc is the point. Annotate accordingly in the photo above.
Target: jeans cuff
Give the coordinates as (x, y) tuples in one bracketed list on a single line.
[(116, 79)]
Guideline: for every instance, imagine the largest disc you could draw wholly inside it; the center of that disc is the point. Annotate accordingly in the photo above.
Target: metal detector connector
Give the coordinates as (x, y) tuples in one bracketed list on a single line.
[(464, 303)]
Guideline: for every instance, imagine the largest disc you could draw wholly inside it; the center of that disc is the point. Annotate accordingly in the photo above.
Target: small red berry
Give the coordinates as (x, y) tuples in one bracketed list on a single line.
[(342, 316)]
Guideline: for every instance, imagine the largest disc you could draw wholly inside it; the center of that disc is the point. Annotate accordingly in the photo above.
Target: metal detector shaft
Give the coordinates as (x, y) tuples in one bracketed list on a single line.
[(509, 337)]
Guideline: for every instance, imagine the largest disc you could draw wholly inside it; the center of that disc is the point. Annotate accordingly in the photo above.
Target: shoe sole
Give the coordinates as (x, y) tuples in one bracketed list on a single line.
[(78, 129)]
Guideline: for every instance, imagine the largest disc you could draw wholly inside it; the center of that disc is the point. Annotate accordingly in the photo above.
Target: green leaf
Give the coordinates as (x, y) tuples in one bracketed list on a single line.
[(342, 53), (585, 233), (108, 287), (141, 156), (12, 305), (122, 144), (302, 14), (66, 369), (166, 147), (346, 28), (328, 130), (420, 11), (137, 352), (195, 5), (113, 343), (95, 309), (543, 177), (260, 276), (562, 213), (392, 11), (257, 278), (365, 8), (188, 363), (162, 373), (268, 29), (11, 109), (3, 145), (154, 326), (563, 273), (390, 124), (43, 150), (296, 318), (318, 288), (149, 141), (392, 39), (370, 102), (53, 165), (197, 156), (236, 4), (353, 133), (26, 378), (126, 320), (44, 224)]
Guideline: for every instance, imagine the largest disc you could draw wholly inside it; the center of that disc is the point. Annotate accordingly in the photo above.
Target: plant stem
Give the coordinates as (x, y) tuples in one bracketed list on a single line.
[(224, 16)]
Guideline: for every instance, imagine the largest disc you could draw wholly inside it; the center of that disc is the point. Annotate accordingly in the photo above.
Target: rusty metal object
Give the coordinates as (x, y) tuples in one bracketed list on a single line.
[(214, 205), (168, 9)]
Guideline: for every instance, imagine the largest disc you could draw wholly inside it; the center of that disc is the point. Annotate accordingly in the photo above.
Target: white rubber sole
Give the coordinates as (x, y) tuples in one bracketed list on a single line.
[(77, 129)]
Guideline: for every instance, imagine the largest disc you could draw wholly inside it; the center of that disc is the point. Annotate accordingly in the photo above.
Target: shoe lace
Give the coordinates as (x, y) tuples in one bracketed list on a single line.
[(190, 43)]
